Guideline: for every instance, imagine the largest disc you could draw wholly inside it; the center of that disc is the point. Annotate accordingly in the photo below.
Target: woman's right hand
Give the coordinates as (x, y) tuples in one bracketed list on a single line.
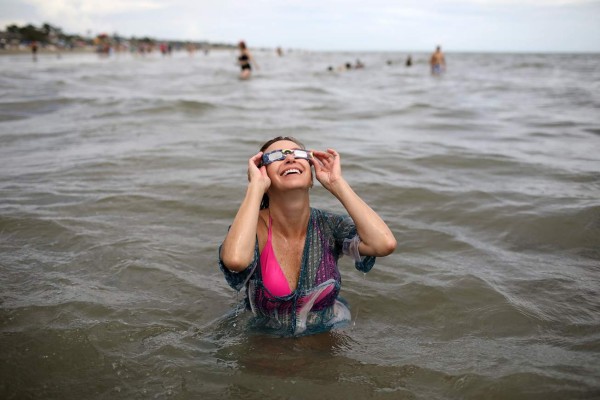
[(258, 176)]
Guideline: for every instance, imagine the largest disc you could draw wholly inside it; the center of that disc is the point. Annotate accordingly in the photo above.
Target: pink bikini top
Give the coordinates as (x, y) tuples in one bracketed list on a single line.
[(274, 279), (272, 275)]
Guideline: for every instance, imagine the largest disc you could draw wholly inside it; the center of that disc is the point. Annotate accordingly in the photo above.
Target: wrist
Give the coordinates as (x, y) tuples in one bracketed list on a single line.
[(255, 189), (338, 187)]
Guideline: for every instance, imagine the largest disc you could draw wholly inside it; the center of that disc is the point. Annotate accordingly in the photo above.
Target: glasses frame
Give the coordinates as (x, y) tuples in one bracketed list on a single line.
[(271, 156)]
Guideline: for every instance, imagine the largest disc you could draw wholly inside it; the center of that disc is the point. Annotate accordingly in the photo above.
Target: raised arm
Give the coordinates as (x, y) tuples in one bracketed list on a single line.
[(237, 250), (376, 237)]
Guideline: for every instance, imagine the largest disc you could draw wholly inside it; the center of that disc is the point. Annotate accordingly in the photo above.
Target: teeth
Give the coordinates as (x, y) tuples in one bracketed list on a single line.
[(291, 171)]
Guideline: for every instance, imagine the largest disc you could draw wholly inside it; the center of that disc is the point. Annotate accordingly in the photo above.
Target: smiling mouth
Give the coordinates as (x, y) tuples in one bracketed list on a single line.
[(291, 171)]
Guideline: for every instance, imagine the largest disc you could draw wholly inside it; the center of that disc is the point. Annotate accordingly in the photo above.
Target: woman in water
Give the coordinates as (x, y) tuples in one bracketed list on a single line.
[(285, 253), (245, 60)]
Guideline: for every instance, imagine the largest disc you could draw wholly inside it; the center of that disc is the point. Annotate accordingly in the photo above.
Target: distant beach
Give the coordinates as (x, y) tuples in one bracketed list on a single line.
[(27, 50)]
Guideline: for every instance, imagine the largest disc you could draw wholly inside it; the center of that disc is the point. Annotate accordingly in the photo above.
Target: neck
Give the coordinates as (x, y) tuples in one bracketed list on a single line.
[(290, 213)]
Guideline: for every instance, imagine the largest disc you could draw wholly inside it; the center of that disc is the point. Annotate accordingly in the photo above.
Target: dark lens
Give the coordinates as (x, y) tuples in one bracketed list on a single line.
[(300, 154), (276, 155)]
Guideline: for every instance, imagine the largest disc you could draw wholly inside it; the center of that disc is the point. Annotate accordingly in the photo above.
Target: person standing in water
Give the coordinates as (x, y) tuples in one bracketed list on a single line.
[(34, 50), (437, 62), (245, 60), (285, 252)]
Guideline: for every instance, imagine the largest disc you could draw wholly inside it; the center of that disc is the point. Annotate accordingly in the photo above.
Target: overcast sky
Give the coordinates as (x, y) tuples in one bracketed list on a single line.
[(458, 25)]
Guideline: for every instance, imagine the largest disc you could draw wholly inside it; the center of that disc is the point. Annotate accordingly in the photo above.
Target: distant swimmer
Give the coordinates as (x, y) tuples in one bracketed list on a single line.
[(34, 50), (359, 64), (437, 62), (345, 67), (245, 60), (408, 61)]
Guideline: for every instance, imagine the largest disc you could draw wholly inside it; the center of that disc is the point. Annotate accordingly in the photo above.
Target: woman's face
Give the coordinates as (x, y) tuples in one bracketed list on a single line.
[(289, 173)]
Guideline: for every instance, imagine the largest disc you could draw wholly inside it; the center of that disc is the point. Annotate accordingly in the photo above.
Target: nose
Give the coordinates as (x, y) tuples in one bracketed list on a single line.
[(289, 157)]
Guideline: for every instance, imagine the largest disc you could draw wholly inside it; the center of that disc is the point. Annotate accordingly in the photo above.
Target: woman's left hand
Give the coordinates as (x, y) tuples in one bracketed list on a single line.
[(328, 168)]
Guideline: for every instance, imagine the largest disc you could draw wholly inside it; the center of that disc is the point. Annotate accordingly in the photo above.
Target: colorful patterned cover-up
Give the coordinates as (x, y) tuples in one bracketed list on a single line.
[(314, 306)]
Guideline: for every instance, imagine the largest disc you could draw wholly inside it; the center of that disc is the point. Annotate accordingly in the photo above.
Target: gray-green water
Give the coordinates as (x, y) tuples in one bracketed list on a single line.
[(119, 178)]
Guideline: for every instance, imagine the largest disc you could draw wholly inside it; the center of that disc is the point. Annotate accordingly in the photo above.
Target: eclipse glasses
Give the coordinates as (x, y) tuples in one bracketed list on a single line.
[(278, 155)]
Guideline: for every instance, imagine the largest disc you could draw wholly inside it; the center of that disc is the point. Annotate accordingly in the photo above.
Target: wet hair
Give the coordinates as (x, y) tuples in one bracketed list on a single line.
[(264, 203), (242, 45)]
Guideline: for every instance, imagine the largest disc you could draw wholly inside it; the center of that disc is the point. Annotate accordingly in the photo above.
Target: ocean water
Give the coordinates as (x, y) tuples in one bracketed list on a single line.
[(119, 177)]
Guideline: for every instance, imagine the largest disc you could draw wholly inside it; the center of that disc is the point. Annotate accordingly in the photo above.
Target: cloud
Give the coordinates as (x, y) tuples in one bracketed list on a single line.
[(90, 8), (82, 15)]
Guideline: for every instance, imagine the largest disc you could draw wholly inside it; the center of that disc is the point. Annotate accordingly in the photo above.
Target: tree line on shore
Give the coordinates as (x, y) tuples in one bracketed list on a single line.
[(48, 35)]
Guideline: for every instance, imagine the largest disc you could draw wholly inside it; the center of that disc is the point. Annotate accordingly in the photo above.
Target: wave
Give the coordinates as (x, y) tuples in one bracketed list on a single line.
[(531, 65), (575, 230), (10, 111), (595, 131), (21, 228), (150, 107), (311, 90)]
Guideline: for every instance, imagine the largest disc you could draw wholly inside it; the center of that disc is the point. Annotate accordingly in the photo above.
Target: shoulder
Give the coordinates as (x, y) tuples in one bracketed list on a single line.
[(328, 218), (319, 214), (262, 227), (333, 227), (324, 213), (263, 218)]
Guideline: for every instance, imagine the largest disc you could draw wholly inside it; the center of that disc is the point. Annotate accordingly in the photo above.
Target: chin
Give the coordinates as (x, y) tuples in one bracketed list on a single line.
[(297, 184)]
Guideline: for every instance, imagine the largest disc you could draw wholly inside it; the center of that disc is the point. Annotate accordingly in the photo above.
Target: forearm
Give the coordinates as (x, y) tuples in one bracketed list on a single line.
[(238, 247), (376, 237)]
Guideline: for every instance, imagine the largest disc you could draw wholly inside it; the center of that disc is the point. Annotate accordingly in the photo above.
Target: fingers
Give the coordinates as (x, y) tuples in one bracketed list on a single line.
[(328, 158), (329, 152), (253, 164), (256, 159)]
